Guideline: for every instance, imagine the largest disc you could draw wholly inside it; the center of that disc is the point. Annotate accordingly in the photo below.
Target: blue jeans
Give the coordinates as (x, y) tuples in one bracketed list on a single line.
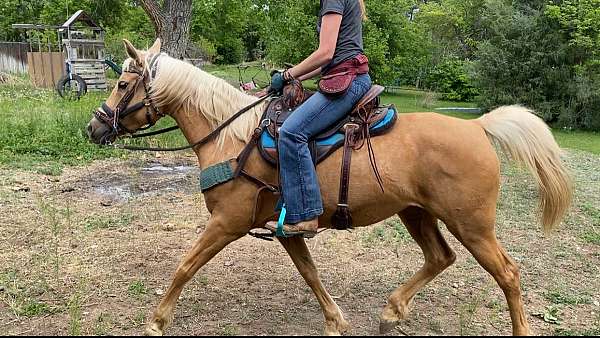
[(300, 185)]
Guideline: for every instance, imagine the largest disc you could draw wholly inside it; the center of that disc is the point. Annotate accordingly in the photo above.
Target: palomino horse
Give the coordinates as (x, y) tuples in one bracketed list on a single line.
[(433, 167)]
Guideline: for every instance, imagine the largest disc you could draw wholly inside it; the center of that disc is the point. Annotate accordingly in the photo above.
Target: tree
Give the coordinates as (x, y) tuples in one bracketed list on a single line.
[(544, 57), (172, 22)]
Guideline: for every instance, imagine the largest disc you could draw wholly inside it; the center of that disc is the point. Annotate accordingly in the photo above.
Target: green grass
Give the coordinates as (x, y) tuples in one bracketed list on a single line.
[(566, 298), (109, 222), (582, 140), (137, 289), (41, 132)]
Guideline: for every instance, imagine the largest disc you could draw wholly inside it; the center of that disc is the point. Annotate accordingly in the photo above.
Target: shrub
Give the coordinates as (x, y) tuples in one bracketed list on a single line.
[(451, 78)]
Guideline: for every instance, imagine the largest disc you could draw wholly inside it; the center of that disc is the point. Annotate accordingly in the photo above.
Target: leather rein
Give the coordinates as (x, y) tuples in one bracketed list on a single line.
[(112, 118)]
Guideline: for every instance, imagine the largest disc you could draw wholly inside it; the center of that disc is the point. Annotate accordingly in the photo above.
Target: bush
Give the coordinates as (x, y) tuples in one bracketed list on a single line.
[(451, 78), (230, 50)]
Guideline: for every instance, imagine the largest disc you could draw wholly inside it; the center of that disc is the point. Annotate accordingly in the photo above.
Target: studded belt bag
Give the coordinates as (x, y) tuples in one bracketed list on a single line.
[(338, 79)]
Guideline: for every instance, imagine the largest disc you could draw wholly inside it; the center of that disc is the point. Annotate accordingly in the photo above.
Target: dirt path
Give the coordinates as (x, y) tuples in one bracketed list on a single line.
[(91, 251)]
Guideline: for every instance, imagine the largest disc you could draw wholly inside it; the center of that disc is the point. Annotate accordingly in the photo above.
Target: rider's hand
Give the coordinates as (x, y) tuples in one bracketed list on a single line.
[(277, 82)]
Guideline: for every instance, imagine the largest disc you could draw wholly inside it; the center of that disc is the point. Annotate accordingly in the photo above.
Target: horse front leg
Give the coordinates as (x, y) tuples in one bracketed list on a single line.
[(335, 324), (214, 238)]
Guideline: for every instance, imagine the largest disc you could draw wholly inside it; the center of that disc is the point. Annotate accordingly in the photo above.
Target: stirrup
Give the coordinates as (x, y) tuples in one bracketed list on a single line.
[(278, 230)]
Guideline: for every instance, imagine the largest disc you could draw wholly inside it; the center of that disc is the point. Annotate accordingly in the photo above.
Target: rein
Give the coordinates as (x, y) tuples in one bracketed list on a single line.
[(207, 138)]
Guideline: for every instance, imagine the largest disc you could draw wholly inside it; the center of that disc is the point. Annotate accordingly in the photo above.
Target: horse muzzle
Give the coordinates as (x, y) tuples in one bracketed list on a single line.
[(100, 133)]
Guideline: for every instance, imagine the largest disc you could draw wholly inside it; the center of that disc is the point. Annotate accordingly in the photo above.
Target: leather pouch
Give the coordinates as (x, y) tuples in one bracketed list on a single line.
[(337, 80)]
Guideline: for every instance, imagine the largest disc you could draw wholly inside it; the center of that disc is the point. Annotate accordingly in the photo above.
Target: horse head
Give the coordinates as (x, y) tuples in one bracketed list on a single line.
[(129, 107)]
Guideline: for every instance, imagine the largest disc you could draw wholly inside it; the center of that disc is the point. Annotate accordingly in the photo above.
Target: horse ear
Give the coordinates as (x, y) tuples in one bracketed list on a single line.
[(155, 47), (132, 52)]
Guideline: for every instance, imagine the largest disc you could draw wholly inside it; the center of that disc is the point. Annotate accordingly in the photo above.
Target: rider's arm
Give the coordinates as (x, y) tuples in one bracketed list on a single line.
[(310, 75), (330, 28)]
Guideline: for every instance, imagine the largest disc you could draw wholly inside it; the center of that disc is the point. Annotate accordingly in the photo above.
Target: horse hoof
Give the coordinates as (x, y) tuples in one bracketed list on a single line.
[(385, 326), (153, 331)]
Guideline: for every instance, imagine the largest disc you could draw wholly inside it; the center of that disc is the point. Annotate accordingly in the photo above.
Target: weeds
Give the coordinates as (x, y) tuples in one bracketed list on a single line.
[(137, 289), (74, 307), (109, 222), (229, 330), (140, 318), (103, 324), (563, 298)]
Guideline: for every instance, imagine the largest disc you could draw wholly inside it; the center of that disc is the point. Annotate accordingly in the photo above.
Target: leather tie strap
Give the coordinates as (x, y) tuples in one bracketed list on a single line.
[(342, 219)]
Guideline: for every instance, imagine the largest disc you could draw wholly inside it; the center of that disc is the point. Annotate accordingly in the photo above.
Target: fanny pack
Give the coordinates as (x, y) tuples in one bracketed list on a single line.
[(338, 79)]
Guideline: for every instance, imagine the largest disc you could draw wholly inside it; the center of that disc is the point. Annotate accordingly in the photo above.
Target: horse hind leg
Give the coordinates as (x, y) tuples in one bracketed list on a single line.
[(335, 324), (423, 228), (479, 237)]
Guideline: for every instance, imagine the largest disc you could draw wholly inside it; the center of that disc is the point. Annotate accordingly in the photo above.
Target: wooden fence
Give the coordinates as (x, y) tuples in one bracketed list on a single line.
[(13, 57), (45, 68)]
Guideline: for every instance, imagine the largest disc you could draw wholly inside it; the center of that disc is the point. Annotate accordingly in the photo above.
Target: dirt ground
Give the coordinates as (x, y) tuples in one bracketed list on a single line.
[(91, 251)]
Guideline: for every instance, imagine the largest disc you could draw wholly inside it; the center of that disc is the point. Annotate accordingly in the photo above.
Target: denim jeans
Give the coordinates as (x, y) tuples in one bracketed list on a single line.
[(300, 185)]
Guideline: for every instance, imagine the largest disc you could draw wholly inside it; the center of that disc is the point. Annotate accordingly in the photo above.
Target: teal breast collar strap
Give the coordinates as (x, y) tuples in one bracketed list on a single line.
[(216, 175)]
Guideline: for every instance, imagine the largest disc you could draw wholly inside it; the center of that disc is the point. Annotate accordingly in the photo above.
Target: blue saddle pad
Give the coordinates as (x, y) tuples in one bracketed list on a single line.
[(326, 146)]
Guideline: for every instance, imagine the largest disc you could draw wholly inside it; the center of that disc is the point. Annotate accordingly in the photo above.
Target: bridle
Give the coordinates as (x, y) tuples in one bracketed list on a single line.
[(112, 118)]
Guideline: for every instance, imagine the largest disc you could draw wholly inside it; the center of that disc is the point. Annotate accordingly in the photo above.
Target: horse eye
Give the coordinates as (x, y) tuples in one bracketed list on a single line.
[(123, 85)]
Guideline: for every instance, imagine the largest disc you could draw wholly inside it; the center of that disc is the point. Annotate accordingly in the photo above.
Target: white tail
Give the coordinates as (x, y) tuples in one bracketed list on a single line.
[(526, 139)]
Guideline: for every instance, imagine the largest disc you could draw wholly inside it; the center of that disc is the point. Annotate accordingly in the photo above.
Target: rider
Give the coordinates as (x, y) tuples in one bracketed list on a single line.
[(340, 52)]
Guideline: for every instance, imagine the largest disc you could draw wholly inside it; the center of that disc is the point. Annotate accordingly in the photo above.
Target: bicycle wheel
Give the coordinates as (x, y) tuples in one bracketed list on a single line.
[(71, 88)]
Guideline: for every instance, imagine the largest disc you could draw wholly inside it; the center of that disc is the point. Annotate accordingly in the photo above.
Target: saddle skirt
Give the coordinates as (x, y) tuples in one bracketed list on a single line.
[(329, 142), (380, 120)]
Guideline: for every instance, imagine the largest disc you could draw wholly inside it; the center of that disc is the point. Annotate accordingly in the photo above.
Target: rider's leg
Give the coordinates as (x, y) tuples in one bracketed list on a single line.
[(300, 186)]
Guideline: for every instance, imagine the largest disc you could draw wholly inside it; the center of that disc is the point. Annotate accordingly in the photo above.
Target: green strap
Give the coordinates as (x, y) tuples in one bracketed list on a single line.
[(215, 175)]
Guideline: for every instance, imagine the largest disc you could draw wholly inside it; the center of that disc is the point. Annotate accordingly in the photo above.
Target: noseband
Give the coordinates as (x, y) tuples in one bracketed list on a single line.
[(113, 118)]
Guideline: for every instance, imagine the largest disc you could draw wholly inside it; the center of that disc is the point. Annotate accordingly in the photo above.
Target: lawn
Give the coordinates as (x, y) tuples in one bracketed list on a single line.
[(41, 132)]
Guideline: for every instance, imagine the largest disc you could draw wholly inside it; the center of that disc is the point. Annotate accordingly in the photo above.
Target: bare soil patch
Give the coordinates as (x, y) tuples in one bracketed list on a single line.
[(90, 252)]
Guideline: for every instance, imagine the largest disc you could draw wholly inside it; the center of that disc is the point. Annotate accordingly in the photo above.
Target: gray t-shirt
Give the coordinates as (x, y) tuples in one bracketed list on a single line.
[(350, 38)]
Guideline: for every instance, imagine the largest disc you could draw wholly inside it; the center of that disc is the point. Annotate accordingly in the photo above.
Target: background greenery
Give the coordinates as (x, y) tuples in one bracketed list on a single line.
[(541, 53)]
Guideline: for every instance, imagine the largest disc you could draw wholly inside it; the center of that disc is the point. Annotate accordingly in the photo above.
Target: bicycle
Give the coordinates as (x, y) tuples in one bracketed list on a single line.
[(73, 87)]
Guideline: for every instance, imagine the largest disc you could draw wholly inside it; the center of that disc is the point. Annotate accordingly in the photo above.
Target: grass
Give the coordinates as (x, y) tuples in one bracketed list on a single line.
[(137, 289), (109, 222), (565, 298), (74, 307), (41, 132), (21, 296)]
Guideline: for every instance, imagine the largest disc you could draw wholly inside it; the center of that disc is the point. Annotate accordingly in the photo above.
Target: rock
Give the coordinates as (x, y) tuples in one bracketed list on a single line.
[(169, 227), (228, 263), (455, 285), (20, 189), (159, 292), (597, 303), (106, 203)]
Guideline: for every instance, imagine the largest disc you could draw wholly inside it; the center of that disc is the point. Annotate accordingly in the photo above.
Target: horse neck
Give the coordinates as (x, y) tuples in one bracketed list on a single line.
[(195, 126)]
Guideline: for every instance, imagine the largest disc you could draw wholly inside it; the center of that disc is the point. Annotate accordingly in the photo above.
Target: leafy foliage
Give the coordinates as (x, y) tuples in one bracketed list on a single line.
[(540, 53), (541, 57)]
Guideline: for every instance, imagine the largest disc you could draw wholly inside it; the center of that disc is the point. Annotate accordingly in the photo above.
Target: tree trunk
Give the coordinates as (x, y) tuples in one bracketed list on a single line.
[(172, 23)]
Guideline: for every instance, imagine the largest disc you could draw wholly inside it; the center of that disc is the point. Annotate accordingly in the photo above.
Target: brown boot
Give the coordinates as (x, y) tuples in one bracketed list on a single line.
[(308, 229)]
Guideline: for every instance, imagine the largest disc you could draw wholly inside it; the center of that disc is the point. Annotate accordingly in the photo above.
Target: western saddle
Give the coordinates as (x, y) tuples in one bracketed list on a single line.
[(368, 118)]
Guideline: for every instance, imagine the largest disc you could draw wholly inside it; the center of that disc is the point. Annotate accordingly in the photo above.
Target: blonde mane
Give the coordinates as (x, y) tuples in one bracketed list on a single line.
[(179, 85)]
